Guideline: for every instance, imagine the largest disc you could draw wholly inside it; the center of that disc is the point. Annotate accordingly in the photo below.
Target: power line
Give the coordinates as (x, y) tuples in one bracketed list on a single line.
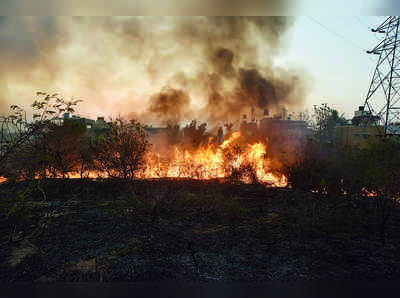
[(340, 36), (371, 28), (335, 33)]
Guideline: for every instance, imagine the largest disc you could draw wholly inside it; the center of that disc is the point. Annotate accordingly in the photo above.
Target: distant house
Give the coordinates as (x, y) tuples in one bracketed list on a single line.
[(100, 123), (89, 123), (363, 128), (153, 131)]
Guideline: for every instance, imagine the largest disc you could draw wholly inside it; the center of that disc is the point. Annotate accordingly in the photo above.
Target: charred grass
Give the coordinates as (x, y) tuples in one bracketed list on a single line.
[(111, 230)]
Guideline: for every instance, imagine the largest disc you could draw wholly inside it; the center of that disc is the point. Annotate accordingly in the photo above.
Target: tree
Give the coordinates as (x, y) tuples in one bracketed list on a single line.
[(60, 147), (195, 135), (121, 152), (16, 131), (309, 169), (381, 167), (22, 143), (173, 134), (87, 156), (324, 120)]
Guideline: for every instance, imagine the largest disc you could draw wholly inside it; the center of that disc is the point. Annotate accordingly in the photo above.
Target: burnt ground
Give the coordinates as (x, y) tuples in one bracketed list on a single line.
[(190, 231)]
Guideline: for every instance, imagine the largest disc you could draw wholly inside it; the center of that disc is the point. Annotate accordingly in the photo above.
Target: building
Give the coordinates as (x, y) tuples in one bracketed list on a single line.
[(363, 128), (297, 128), (100, 123), (154, 131), (248, 128), (283, 125), (356, 135), (282, 135), (362, 117), (89, 123)]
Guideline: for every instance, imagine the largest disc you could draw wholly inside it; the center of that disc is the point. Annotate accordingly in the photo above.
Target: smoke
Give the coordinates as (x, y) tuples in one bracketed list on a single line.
[(222, 59), (28, 56), (230, 73), (143, 7), (162, 69), (170, 105)]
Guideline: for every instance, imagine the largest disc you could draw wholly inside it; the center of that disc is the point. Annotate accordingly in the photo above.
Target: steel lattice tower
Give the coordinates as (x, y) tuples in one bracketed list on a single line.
[(382, 103)]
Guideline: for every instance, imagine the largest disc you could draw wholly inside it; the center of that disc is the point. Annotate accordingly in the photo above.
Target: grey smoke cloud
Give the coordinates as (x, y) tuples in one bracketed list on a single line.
[(28, 54), (159, 68)]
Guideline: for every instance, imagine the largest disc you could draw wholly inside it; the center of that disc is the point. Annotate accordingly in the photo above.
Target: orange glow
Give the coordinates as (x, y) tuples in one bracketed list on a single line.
[(235, 156), (369, 193), (211, 162)]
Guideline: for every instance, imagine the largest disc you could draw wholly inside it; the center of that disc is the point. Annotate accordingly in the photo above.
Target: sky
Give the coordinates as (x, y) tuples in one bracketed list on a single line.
[(177, 68), (332, 51)]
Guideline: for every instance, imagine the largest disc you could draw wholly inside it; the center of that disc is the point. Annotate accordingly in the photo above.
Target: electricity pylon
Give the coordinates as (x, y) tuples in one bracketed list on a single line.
[(382, 104)]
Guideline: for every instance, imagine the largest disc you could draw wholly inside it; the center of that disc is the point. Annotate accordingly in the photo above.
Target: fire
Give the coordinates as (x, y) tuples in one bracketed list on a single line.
[(368, 193), (214, 161), (235, 157)]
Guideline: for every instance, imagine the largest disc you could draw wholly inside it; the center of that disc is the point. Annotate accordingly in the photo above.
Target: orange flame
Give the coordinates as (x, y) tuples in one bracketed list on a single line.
[(210, 162), (368, 193)]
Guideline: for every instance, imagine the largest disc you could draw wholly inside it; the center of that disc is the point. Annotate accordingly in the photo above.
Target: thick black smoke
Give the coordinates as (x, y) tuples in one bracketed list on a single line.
[(232, 59), (170, 105), (222, 59)]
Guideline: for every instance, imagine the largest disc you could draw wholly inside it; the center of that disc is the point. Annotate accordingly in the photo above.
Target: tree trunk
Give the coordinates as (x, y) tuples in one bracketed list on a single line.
[(82, 166)]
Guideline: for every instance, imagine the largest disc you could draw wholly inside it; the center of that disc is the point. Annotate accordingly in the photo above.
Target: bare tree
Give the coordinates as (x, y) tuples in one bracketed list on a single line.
[(61, 147), (121, 152), (16, 130)]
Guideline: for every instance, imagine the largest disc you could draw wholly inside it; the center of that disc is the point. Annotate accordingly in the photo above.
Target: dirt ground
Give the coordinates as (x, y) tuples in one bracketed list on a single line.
[(189, 230)]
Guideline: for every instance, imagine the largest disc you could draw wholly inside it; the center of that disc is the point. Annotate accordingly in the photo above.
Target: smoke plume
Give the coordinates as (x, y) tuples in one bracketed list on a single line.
[(162, 69), (170, 105)]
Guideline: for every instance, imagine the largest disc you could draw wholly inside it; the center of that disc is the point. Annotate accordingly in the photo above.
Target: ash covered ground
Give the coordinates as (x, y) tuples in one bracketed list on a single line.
[(186, 230)]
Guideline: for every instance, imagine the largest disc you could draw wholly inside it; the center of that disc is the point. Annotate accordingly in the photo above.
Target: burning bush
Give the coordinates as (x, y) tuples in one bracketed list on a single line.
[(236, 168), (237, 158)]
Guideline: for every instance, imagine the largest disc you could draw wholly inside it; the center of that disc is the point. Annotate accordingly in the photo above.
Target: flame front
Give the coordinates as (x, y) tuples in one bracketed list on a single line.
[(213, 161), (235, 157)]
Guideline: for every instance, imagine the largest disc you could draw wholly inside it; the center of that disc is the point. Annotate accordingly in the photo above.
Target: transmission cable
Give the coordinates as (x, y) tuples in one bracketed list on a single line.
[(340, 36)]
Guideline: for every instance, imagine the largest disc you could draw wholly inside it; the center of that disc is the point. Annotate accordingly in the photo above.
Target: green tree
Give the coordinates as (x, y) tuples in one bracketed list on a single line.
[(323, 122)]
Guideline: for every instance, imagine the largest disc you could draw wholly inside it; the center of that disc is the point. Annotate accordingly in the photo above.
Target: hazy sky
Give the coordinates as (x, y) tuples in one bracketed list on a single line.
[(323, 57), (332, 51)]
